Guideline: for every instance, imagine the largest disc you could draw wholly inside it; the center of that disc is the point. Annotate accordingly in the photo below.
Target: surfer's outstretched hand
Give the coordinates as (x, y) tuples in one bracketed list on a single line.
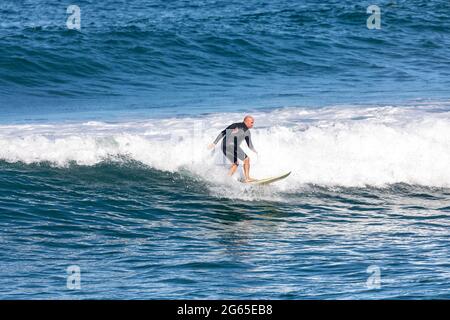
[(211, 146)]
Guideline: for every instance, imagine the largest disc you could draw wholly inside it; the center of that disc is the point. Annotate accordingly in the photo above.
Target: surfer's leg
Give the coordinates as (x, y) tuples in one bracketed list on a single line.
[(231, 156), (228, 152), (247, 170), (233, 169)]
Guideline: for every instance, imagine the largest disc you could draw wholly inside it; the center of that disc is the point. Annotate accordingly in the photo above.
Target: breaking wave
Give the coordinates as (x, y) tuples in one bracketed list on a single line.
[(334, 146)]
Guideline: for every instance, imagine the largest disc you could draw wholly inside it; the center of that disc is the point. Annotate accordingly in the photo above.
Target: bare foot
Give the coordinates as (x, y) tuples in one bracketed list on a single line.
[(250, 180)]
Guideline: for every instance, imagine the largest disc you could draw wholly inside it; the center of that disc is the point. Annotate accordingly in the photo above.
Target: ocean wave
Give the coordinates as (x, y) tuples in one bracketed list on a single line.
[(334, 146), (271, 47)]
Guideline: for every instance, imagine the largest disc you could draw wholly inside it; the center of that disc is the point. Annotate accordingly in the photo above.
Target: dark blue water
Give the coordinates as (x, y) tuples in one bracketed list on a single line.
[(205, 55), (139, 233), (103, 163)]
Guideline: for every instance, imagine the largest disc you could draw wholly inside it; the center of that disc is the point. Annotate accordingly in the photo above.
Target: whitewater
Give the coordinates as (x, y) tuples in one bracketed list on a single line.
[(331, 146)]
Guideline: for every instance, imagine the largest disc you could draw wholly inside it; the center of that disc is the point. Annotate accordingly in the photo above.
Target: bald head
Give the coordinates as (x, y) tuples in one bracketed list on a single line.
[(249, 121)]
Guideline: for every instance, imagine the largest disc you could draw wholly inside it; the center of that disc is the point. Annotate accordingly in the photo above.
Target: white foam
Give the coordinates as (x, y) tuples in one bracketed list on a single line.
[(344, 146)]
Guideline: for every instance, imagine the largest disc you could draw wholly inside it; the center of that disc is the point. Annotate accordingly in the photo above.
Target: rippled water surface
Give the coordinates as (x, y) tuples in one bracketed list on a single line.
[(138, 233), (103, 160)]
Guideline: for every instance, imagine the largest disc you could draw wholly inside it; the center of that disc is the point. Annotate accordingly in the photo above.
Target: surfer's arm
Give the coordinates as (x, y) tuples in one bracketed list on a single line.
[(220, 136), (248, 139), (224, 132)]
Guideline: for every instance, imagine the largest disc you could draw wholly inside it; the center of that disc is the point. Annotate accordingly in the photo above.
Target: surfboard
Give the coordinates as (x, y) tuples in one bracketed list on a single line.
[(269, 180)]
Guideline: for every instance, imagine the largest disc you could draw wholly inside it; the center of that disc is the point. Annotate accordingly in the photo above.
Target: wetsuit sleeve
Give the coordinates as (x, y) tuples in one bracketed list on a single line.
[(224, 132), (220, 136), (248, 139)]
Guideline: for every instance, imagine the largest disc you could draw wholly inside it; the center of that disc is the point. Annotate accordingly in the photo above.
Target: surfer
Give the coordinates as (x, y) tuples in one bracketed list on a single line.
[(233, 135)]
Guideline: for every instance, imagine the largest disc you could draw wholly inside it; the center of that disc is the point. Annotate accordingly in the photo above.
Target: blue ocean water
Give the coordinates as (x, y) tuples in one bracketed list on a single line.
[(103, 160)]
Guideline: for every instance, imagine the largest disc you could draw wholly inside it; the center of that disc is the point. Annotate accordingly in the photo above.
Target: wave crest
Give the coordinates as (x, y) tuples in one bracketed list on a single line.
[(327, 146)]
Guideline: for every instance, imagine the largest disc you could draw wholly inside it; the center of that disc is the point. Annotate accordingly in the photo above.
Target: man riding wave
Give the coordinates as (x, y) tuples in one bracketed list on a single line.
[(232, 136)]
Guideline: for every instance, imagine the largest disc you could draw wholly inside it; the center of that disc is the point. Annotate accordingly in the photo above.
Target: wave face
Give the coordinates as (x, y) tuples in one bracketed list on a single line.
[(334, 146), (157, 54)]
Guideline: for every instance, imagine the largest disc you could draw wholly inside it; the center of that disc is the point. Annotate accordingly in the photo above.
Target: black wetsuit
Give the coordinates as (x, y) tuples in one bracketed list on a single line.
[(233, 136)]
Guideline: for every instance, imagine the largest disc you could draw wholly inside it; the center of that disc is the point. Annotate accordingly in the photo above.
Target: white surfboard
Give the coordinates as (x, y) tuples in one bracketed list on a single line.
[(269, 180)]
